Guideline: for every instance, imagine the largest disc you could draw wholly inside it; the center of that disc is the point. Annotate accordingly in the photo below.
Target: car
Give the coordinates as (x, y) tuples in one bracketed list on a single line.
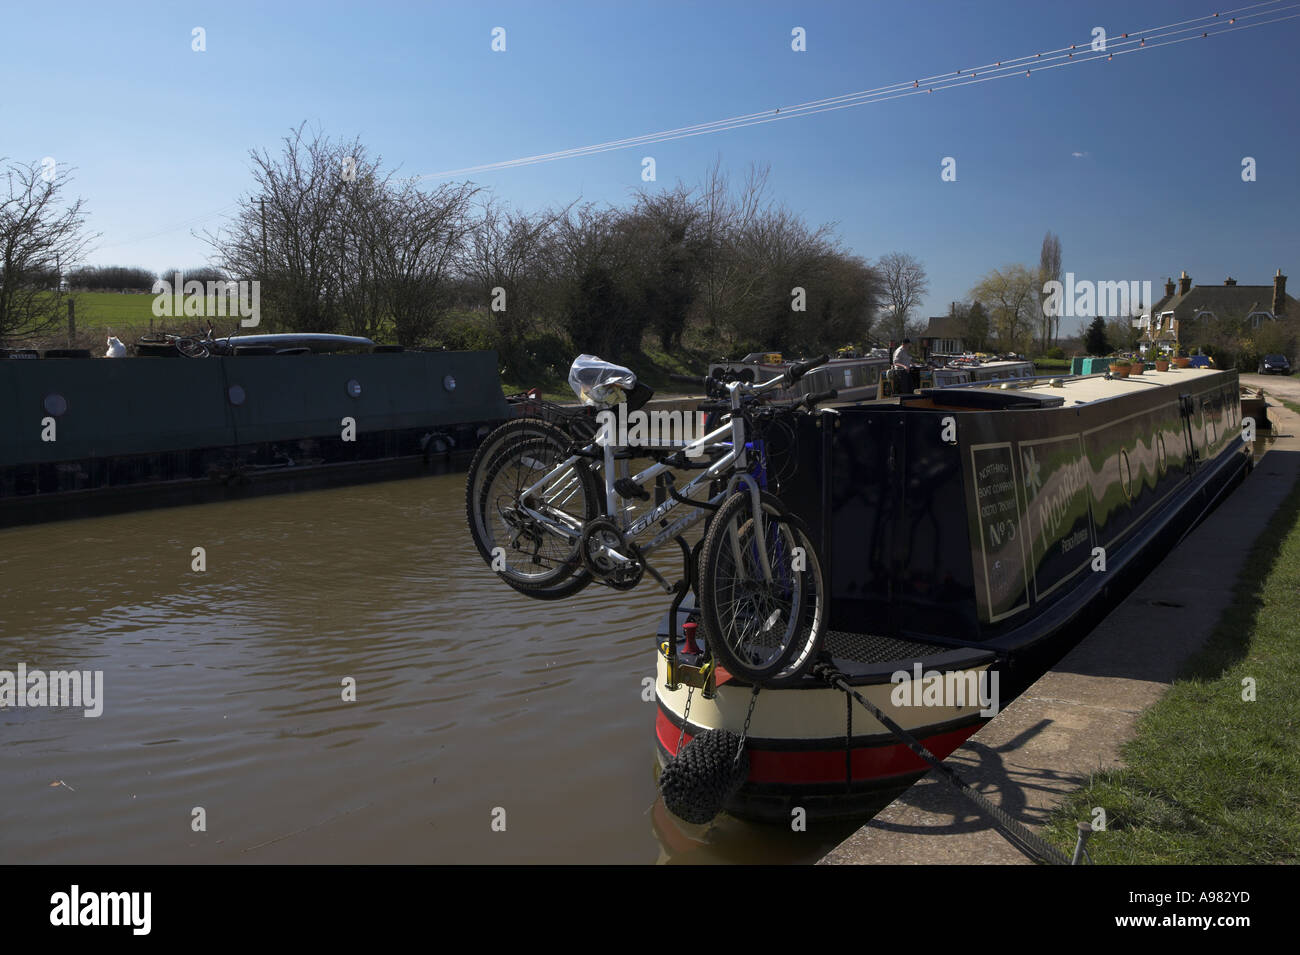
[(1274, 365)]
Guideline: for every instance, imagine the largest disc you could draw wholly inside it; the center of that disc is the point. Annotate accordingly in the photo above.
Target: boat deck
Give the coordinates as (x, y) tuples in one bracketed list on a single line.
[(1090, 388), (870, 648)]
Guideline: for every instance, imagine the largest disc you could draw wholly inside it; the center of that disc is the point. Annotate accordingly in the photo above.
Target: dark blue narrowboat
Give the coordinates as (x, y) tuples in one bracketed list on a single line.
[(92, 436), (970, 536)]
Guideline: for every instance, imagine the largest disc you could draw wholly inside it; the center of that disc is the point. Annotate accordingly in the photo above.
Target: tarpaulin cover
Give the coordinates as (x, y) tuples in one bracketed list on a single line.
[(600, 383)]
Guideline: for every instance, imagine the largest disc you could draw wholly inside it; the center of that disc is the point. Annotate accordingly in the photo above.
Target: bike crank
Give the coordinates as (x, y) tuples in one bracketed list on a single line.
[(602, 547)]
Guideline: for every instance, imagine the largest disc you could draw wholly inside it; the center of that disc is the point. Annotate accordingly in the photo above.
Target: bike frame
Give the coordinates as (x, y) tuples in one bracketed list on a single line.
[(733, 460)]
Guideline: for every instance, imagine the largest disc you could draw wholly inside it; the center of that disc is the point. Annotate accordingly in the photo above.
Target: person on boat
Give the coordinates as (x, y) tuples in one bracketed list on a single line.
[(903, 369)]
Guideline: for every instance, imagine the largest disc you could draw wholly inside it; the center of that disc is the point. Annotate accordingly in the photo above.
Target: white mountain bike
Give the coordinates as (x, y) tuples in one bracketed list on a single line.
[(552, 507)]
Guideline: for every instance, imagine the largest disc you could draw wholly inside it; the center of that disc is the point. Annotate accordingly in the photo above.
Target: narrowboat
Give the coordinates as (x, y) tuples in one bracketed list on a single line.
[(865, 377), (969, 536), (855, 378), (262, 414), (950, 371), (283, 343)]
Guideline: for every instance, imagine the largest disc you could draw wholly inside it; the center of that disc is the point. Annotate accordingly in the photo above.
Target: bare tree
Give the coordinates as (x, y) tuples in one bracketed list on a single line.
[(1049, 270), (291, 231), (726, 281), (339, 243), (40, 237), (674, 248), (417, 248), (1012, 296), (905, 285), (503, 250)]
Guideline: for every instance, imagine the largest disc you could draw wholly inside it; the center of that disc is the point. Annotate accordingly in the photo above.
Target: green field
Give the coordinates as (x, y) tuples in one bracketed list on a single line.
[(105, 310)]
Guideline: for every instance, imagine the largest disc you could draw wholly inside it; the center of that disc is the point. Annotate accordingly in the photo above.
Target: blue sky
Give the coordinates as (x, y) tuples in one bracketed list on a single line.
[(1135, 163)]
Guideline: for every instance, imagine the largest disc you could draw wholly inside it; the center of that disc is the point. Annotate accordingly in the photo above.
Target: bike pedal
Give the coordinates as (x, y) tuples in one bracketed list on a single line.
[(629, 489)]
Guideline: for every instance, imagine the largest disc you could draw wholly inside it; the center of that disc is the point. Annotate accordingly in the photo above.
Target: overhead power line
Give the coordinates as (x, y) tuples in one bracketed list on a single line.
[(1132, 41)]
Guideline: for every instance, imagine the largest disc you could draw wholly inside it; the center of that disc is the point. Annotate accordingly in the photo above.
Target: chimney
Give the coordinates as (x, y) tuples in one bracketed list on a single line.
[(1169, 288), (1184, 283), (1279, 294), (1229, 281)]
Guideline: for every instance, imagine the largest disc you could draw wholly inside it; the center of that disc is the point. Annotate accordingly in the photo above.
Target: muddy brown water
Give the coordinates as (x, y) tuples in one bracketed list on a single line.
[(223, 691)]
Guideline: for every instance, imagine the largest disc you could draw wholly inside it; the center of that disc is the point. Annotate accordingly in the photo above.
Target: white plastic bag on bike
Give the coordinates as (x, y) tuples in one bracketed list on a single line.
[(600, 383)]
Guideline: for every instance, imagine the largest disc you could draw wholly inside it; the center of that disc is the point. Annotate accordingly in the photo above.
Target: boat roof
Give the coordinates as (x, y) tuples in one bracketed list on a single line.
[(1086, 389), (1069, 392), (995, 363), (279, 338)]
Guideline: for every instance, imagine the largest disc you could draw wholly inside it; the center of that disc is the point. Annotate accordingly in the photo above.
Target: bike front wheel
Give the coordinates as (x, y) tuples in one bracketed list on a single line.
[(763, 620)]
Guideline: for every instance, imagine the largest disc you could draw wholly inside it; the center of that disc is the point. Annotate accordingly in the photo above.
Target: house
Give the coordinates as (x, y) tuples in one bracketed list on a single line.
[(943, 336), (1185, 304)]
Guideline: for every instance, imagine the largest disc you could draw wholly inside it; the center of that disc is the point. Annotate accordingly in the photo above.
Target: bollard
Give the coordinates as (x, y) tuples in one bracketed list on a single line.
[(1085, 830)]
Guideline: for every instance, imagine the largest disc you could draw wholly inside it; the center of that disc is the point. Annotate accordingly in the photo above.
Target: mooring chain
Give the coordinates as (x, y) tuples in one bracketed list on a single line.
[(1028, 842), (686, 715), (848, 744), (753, 698)]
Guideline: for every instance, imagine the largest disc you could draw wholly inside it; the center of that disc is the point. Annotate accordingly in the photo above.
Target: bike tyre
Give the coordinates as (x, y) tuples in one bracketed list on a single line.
[(719, 606)]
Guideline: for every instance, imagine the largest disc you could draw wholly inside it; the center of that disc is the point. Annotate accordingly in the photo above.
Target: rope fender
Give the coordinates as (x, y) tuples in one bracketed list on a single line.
[(705, 773)]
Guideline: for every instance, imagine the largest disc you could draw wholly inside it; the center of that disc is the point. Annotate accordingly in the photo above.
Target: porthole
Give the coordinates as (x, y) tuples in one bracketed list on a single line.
[(236, 395), (55, 404), (1162, 458), (449, 382), (354, 388), (1125, 474)]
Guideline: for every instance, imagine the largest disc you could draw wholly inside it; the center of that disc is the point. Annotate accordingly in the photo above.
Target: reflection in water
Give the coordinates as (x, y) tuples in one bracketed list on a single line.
[(223, 690)]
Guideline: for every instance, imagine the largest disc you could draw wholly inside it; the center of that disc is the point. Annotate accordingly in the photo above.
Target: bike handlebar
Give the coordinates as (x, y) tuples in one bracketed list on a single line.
[(797, 371), (812, 401), (717, 387), (712, 387)]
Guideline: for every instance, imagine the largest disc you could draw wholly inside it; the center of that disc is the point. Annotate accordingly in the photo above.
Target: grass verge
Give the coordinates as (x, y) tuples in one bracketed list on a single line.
[(1212, 778)]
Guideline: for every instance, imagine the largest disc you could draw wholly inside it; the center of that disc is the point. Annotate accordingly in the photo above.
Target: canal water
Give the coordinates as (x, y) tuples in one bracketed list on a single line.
[(486, 727)]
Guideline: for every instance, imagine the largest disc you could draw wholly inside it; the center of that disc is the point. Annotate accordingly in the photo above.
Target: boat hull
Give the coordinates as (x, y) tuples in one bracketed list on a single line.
[(798, 741)]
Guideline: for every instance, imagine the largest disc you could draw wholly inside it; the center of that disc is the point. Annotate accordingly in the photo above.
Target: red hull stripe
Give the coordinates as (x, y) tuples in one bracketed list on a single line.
[(827, 765)]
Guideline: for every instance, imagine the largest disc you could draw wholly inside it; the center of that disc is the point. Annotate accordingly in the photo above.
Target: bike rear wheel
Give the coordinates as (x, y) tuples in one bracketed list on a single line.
[(192, 348), (533, 558), (764, 630)]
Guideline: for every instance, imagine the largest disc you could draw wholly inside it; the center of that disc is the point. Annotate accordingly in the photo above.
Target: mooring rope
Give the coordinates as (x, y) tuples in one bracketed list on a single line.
[(1017, 834)]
